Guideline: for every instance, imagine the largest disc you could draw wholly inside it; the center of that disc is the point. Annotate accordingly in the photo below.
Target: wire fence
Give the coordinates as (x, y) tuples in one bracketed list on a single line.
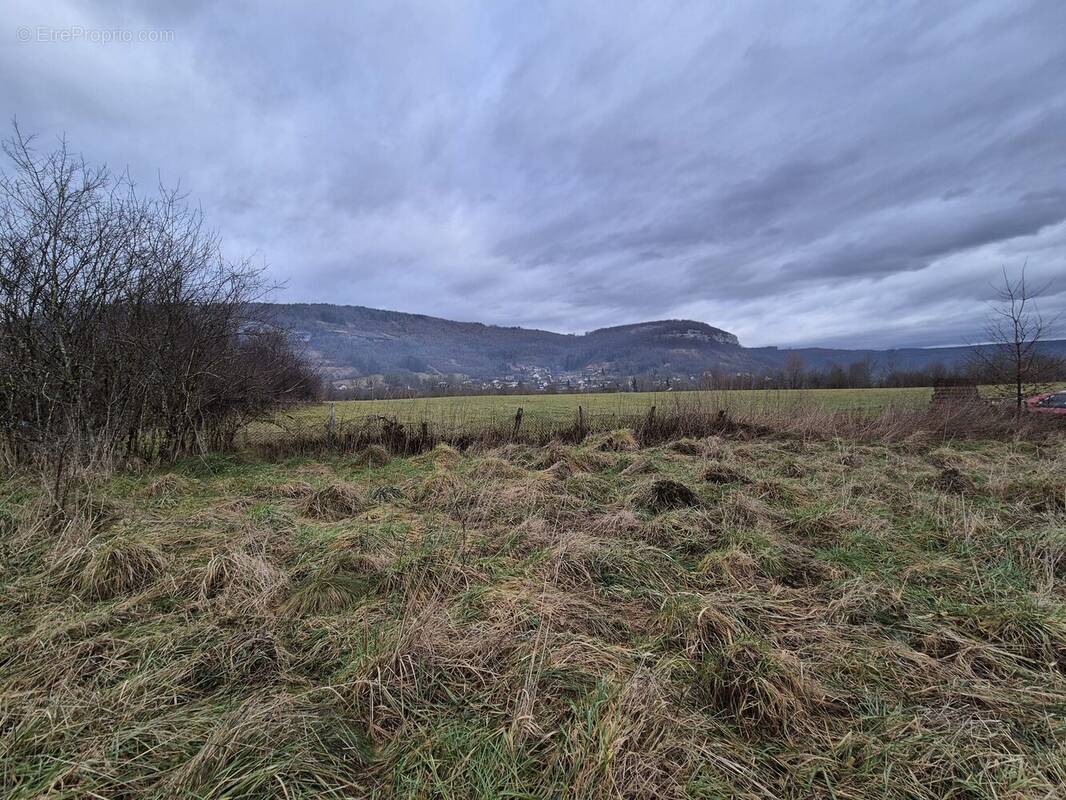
[(412, 426), (450, 414)]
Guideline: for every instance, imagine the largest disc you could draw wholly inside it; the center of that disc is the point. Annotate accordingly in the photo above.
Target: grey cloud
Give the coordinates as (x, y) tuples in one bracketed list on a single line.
[(800, 174)]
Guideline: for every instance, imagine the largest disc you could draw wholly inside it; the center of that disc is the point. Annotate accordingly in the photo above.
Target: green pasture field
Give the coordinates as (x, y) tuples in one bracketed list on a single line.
[(562, 407)]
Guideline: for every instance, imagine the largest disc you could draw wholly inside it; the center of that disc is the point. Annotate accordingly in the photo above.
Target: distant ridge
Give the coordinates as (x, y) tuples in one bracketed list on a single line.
[(355, 341)]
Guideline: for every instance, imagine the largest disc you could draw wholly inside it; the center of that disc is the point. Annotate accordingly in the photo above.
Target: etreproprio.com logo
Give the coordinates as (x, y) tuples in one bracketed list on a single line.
[(77, 33)]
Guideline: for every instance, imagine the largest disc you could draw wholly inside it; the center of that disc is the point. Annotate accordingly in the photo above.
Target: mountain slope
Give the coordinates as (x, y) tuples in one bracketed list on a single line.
[(353, 341)]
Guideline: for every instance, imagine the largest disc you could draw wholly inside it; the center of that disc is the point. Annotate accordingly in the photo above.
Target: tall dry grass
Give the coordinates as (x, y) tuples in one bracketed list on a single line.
[(690, 419), (738, 610)]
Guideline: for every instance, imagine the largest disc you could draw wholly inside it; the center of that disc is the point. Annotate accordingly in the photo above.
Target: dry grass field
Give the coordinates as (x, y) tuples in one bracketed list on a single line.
[(737, 615)]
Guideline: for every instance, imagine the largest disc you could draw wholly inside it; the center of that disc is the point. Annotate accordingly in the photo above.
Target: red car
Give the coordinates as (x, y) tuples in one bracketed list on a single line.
[(1049, 403)]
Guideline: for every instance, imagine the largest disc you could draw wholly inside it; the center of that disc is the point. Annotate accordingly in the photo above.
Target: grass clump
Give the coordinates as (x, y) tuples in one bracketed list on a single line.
[(1039, 492), (622, 440), (242, 579), (292, 490), (722, 473), (325, 593), (495, 468), (639, 466), (371, 456), (442, 456), (732, 565), (689, 447), (115, 566), (559, 471), (662, 495), (335, 502), (277, 741), (762, 689), (571, 458), (168, 485), (952, 479)]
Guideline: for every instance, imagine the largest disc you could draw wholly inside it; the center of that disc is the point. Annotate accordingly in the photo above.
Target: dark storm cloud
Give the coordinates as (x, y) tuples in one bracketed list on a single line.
[(796, 173)]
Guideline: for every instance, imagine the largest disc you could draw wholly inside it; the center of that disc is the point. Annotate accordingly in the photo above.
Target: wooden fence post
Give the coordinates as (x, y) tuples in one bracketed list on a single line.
[(517, 424)]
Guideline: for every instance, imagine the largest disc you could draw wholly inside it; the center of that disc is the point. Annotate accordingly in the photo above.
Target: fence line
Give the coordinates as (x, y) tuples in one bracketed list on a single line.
[(302, 432)]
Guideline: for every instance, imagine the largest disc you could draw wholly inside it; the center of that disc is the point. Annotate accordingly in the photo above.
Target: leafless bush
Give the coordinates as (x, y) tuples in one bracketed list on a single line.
[(123, 329)]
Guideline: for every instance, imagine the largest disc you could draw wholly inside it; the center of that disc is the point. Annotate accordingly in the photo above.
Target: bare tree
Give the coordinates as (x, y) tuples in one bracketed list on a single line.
[(794, 371), (1011, 357)]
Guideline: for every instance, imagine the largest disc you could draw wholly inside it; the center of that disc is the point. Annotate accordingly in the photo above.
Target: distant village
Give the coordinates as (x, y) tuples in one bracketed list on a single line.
[(521, 379)]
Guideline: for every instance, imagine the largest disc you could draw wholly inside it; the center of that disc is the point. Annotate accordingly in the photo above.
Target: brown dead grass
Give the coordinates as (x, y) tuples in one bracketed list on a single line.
[(763, 689), (335, 502), (371, 456), (622, 440), (168, 485), (661, 495), (722, 473), (575, 459), (495, 468), (242, 579), (290, 490), (442, 456), (113, 566), (822, 617)]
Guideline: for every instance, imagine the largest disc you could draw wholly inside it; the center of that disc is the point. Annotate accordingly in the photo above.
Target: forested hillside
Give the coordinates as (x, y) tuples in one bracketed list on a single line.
[(353, 341)]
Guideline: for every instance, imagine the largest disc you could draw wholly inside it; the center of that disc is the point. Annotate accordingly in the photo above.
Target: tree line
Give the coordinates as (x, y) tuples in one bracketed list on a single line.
[(865, 374)]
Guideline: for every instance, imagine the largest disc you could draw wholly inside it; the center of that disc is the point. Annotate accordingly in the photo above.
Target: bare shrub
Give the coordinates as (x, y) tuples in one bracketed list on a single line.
[(124, 331), (1012, 359)]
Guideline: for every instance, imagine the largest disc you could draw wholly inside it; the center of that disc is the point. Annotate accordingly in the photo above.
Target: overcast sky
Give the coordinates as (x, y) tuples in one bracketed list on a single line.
[(847, 174)]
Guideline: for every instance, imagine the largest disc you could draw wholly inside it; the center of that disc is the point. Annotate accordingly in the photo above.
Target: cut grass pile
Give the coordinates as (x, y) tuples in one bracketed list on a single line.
[(751, 617)]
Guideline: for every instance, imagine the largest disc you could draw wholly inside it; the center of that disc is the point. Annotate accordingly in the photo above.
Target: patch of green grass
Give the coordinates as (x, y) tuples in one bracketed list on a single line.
[(544, 414)]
